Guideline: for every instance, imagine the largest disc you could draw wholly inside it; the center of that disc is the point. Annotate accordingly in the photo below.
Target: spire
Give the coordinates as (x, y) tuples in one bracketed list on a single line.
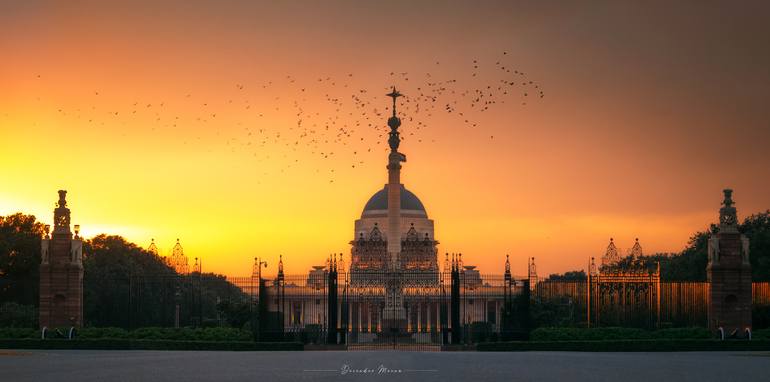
[(153, 248), (394, 122), (532, 275), (532, 271), (394, 186), (611, 255), (636, 250), (280, 267), (507, 268), (178, 259)]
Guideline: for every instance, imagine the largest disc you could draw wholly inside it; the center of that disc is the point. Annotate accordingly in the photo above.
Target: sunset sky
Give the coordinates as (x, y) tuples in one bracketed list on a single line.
[(181, 120)]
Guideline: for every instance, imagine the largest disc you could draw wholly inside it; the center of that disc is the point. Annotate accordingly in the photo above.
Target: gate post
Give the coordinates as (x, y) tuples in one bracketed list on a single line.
[(261, 310), (331, 305), (455, 304), (525, 318), (442, 312), (344, 311), (506, 319)]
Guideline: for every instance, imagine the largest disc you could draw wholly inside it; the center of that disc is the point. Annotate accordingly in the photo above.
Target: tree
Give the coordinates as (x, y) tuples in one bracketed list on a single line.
[(125, 285), (690, 264), (569, 276), (128, 286), (20, 236), (757, 228)]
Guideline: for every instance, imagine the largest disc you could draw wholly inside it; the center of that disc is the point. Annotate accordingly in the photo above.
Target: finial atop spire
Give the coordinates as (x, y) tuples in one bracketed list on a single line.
[(394, 94)]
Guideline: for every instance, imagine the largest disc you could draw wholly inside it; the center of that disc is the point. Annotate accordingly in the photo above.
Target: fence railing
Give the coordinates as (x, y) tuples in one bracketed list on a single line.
[(434, 309)]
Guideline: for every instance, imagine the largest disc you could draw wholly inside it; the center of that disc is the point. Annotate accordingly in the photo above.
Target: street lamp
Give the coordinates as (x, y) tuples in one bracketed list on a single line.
[(260, 264)]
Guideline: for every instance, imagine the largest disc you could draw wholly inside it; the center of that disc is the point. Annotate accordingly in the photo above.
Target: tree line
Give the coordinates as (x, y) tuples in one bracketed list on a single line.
[(124, 285), (690, 263)]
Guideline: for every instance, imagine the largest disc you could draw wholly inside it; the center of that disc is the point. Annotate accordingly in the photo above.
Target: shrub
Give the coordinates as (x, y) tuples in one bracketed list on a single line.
[(102, 333), (683, 333), (19, 333), (760, 316), (646, 345), (761, 334), (131, 344), (180, 334), (613, 333), (19, 316)]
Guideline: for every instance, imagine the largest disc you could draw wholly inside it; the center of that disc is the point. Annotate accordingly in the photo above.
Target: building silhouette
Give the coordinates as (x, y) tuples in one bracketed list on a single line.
[(729, 275), (61, 272)]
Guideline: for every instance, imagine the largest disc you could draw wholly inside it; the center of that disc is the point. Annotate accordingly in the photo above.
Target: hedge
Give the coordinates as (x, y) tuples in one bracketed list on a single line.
[(614, 333), (153, 333), (640, 345), (134, 344), (19, 333), (177, 334), (761, 334)]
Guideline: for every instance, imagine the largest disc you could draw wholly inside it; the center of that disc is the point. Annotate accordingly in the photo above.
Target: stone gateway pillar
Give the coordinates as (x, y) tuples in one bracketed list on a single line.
[(61, 272), (729, 275)]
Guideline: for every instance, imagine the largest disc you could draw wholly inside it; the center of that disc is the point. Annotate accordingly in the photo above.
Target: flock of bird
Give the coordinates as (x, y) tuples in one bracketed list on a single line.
[(334, 119)]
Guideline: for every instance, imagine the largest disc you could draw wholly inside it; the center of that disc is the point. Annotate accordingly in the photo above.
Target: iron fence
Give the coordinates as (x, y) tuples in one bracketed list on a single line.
[(390, 309)]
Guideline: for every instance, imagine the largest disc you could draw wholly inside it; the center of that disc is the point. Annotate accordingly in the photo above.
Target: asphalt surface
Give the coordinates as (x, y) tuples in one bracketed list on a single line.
[(114, 366)]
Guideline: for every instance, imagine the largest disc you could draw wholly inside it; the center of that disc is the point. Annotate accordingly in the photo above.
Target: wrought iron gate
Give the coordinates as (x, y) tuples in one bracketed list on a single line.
[(395, 310)]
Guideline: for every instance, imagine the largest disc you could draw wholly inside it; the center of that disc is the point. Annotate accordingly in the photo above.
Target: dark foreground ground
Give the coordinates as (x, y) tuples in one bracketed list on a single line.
[(135, 365)]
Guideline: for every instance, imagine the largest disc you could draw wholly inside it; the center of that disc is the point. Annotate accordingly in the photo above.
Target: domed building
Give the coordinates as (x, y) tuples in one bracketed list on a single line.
[(415, 251), (393, 290)]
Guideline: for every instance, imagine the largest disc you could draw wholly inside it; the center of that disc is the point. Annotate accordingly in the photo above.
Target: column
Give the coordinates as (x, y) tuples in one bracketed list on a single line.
[(408, 320), (358, 326), (419, 317), (368, 322), (350, 317)]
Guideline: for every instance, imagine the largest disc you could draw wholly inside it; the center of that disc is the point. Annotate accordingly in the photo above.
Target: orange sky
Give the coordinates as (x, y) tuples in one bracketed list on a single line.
[(648, 113)]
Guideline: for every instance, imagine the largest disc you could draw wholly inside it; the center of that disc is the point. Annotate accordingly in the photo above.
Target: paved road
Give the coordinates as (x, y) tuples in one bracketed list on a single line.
[(189, 366)]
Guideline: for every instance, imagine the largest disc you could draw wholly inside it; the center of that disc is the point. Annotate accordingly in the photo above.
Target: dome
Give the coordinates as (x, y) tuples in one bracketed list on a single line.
[(409, 201)]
